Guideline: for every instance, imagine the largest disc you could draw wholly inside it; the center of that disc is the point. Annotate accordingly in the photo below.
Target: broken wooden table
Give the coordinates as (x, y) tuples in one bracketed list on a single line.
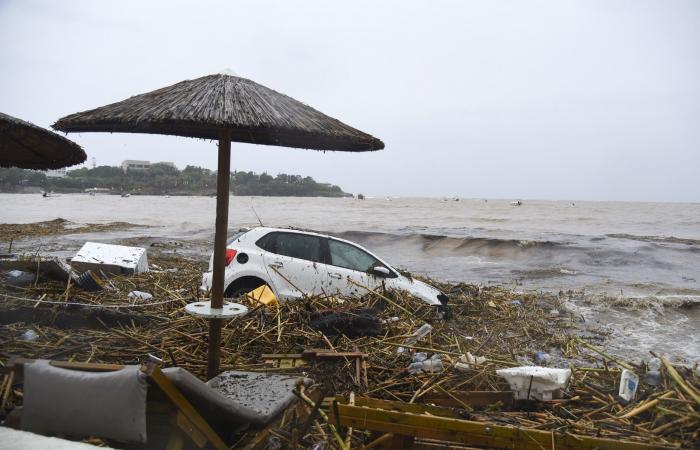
[(410, 425)]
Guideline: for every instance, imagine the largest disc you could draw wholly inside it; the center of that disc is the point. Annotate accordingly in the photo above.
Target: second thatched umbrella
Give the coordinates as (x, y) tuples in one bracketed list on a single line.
[(28, 146), (226, 108)]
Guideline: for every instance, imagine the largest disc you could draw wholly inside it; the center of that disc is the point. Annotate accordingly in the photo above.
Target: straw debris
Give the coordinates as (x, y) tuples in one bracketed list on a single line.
[(504, 327)]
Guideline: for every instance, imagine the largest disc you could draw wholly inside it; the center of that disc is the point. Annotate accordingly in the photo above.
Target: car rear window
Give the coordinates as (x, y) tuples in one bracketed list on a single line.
[(267, 242)]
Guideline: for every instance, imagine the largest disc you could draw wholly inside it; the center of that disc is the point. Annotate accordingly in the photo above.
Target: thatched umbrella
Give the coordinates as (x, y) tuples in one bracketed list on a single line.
[(27, 146), (226, 108)]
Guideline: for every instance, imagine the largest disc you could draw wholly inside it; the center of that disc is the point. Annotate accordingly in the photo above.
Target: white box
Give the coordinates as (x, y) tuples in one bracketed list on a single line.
[(534, 382), (110, 259)]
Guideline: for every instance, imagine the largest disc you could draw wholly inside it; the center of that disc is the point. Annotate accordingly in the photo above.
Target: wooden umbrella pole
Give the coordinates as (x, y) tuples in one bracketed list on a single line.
[(217, 288)]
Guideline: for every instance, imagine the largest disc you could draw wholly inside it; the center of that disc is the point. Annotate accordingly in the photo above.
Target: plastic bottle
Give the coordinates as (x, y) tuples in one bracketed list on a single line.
[(419, 334), (432, 365), (420, 357), (654, 364), (423, 331), (653, 375), (415, 367)]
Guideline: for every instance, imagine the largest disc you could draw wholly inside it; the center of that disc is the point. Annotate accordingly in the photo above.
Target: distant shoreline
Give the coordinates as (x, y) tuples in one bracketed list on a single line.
[(39, 192)]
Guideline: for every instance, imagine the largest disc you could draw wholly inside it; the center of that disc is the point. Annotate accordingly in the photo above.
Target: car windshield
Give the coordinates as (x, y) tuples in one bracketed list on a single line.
[(350, 257)]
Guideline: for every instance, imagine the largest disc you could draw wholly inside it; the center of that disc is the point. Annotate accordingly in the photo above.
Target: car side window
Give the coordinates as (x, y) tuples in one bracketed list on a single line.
[(300, 246), (350, 257)]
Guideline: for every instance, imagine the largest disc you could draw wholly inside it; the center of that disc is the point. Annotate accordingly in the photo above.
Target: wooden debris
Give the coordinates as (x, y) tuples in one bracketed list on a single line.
[(281, 339)]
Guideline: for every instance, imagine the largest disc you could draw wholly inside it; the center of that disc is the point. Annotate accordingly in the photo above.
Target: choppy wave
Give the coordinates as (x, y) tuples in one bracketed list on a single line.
[(434, 243), (546, 272), (659, 239), (653, 302)]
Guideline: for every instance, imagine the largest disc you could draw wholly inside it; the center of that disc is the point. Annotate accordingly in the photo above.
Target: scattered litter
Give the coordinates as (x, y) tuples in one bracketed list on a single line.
[(628, 385), (110, 259), (264, 295), (30, 336), (516, 302), (419, 357), (425, 364), (653, 375), (653, 378), (166, 244), (90, 281), (139, 295), (542, 358), (419, 334), (19, 278), (50, 267), (469, 362), (535, 383), (654, 364), (369, 366)]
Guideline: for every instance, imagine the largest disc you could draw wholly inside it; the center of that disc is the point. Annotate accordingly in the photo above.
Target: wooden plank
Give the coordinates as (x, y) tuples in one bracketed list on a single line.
[(392, 405), (281, 356), (471, 433), (185, 406), (324, 353), (189, 429), (475, 399)]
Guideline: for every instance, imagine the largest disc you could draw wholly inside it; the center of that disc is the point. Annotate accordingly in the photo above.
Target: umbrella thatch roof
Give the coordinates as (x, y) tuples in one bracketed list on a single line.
[(205, 106), (25, 145)]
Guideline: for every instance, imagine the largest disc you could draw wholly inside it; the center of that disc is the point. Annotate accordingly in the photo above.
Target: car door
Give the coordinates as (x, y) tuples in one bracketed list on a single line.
[(294, 264), (348, 271)]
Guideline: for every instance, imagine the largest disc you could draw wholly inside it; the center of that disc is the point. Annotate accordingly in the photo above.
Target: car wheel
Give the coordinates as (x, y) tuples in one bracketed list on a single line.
[(242, 286)]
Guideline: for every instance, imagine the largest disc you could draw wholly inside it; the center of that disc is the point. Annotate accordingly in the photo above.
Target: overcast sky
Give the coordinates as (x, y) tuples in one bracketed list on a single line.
[(596, 100)]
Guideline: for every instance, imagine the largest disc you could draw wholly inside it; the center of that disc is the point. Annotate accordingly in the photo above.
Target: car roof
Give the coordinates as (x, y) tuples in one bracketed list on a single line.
[(260, 231), (264, 230)]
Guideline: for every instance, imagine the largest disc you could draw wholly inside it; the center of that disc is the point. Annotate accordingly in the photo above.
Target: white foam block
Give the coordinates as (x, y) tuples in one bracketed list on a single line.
[(111, 259)]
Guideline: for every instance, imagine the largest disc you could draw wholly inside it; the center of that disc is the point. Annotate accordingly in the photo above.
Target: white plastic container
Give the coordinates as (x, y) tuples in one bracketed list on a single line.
[(628, 385), (536, 383), (110, 259)]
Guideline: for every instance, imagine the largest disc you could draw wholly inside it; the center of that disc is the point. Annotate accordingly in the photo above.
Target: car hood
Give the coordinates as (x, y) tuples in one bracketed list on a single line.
[(421, 290)]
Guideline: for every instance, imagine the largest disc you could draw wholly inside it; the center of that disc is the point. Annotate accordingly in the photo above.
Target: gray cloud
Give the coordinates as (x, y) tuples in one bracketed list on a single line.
[(570, 99)]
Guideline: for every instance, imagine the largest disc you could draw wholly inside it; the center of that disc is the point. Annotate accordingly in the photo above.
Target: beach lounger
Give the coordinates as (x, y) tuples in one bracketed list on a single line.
[(145, 406)]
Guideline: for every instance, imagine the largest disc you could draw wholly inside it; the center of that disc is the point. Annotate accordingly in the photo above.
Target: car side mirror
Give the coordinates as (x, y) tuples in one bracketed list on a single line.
[(381, 271)]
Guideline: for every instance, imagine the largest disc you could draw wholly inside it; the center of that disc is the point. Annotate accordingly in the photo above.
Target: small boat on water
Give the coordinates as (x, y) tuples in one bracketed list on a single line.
[(126, 195), (516, 203)]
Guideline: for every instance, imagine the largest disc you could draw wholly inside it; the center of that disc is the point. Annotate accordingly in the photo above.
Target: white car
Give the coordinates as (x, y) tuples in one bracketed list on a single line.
[(296, 263)]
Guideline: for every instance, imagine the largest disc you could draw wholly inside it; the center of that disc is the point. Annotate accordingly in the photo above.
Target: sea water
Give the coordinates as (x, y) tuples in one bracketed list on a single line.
[(632, 268)]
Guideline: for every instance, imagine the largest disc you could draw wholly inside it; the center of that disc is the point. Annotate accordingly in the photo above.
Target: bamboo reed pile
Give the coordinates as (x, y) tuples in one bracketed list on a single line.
[(14, 231), (486, 321)]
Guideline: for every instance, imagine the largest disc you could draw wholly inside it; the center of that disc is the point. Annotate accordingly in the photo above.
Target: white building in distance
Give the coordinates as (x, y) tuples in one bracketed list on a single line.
[(135, 164), (56, 173)]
